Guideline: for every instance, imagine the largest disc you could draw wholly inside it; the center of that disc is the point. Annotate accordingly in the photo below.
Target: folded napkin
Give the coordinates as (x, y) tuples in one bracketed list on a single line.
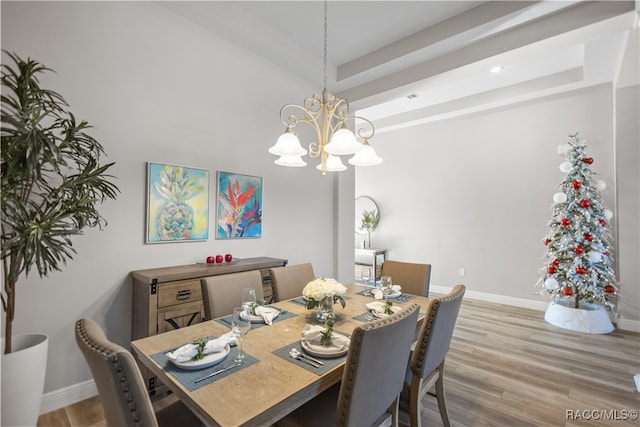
[(312, 335), (267, 313), (378, 308), (378, 294), (187, 351)]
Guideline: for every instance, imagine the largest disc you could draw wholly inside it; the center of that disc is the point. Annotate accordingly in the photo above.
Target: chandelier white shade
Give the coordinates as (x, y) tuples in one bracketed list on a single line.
[(288, 144), (333, 164), (365, 156), (343, 142), (328, 116)]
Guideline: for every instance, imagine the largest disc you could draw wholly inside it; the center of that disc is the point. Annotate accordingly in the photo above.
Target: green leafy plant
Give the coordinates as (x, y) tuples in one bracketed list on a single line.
[(200, 344), (52, 179), (387, 307), (369, 222), (325, 335), (255, 305)]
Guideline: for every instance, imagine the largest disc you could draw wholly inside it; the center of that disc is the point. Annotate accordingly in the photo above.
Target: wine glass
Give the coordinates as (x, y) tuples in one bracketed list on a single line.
[(386, 285), (248, 298), (240, 325), (365, 275)]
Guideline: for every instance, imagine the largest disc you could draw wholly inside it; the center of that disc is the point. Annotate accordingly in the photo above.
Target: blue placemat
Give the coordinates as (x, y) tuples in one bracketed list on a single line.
[(329, 363), (364, 317), (188, 377), (226, 320), (301, 301)]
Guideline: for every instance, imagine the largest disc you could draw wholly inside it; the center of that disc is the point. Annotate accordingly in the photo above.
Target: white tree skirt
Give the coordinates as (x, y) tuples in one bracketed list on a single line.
[(590, 318)]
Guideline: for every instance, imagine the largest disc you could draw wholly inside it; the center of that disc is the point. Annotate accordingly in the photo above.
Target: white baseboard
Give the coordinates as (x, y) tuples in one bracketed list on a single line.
[(75, 393), (67, 396)]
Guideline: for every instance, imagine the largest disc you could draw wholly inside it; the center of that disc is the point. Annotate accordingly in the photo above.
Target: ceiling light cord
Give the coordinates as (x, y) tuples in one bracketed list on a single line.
[(324, 72)]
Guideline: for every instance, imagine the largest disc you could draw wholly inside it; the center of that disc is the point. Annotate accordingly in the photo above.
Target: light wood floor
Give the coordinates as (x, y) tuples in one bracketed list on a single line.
[(507, 367)]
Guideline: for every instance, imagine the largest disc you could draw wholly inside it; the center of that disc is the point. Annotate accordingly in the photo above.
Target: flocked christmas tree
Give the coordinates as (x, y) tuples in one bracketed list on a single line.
[(579, 263)]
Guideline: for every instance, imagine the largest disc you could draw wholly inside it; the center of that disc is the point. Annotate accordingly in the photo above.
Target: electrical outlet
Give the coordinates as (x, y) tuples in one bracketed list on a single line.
[(462, 272)]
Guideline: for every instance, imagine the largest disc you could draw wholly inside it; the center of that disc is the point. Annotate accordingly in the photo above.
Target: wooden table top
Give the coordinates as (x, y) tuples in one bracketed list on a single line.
[(266, 391)]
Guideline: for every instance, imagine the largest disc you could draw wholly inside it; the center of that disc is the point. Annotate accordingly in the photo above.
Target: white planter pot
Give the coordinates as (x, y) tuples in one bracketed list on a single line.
[(590, 318), (23, 373)]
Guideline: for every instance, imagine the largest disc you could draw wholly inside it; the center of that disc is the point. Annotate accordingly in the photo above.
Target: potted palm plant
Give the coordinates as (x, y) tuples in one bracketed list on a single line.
[(52, 184)]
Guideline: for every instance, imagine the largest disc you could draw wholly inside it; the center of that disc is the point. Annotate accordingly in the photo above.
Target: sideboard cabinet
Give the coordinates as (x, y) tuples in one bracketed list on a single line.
[(169, 298)]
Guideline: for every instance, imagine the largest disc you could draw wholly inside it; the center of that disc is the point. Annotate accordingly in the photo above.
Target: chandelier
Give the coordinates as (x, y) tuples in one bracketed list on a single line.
[(328, 116)]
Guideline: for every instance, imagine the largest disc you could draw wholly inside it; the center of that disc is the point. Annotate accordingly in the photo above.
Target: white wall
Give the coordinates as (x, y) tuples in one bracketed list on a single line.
[(475, 192), (157, 88)]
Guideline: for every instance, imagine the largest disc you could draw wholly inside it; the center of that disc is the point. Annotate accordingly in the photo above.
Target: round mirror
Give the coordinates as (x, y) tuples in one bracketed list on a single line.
[(367, 215)]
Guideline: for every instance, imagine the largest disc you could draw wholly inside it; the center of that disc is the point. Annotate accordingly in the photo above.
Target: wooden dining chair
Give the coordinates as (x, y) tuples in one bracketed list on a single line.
[(372, 379), (124, 397), (413, 277), (289, 281), (426, 366), (223, 292)]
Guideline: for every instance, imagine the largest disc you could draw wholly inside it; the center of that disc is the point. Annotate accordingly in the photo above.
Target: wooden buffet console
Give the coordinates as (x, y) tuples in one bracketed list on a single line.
[(169, 298)]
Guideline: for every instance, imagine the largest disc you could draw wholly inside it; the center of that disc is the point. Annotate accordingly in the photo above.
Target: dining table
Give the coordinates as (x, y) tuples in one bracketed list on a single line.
[(270, 383)]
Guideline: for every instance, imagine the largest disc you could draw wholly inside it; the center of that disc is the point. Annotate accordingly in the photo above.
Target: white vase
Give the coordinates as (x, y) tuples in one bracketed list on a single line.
[(23, 373), (589, 318)]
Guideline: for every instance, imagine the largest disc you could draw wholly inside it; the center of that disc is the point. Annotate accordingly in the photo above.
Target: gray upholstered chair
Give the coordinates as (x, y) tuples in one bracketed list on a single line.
[(223, 292), (414, 278), (372, 379), (426, 367), (289, 281), (124, 398)]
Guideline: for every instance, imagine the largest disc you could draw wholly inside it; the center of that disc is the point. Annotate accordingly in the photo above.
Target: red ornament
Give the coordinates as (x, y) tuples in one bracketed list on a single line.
[(578, 250), (588, 237), (556, 262), (576, 185), (609, 289), (584, 203), (602, 222), (211, 260), (219, 259), (588, 160), (580, 270), (547, 241), (228, 257), (565, 222), (567, 292), (551, 269)]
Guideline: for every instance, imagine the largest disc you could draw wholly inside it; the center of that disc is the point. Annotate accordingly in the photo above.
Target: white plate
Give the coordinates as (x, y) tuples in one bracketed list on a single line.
[(259, 319), (394, 294), (208, 360), (327, 352), (381, 314)]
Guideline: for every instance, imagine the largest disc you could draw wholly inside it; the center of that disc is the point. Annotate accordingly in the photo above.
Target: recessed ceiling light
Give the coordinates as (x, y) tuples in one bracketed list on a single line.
[(497, 69)]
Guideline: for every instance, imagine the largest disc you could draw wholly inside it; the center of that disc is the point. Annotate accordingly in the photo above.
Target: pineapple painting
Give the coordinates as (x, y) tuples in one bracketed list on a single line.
[(178, 203)]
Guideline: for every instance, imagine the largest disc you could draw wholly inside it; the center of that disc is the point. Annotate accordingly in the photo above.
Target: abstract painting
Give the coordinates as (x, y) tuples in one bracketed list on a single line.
[(177, 203), (239, 206)]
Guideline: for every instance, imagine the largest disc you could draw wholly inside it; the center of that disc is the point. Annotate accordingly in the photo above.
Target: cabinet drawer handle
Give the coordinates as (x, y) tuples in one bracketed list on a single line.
[(183, 294)]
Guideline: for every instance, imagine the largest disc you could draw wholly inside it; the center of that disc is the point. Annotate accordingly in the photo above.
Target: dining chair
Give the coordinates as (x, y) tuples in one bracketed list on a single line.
[(223, 292), (368, 394), (426, 366), (289, 281), (124, 397), (413, 277)]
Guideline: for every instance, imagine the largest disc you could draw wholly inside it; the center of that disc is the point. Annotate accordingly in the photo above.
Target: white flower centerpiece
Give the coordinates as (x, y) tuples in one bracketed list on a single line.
[(324, 293)]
